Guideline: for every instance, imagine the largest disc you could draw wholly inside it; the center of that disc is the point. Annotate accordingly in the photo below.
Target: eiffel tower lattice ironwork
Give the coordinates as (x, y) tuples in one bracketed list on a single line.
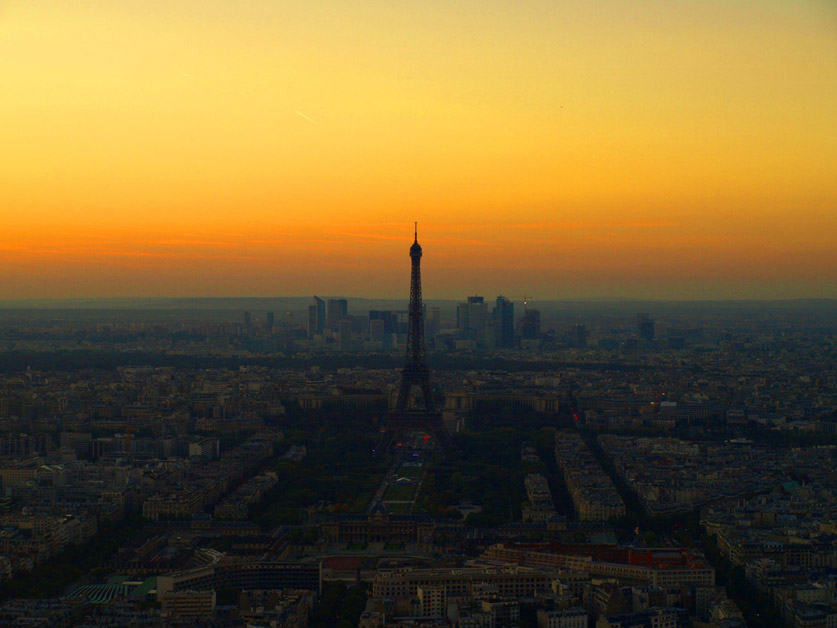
[(409, 415)]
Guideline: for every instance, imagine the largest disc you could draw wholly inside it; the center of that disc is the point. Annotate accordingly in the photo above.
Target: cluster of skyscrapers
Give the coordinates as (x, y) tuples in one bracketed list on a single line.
[(250, 327), (477, 325), (491, 330), (324, 315), (332, 315), (474, 324)]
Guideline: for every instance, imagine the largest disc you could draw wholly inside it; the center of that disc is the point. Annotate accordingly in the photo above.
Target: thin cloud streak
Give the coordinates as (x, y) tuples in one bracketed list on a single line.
[(299, 113), (591, 224)]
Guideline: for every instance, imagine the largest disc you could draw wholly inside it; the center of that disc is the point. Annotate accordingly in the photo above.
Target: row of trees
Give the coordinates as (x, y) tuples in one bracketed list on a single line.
[(12, 361), (53, 577), (339, 468), (340, 606), (486, 468)]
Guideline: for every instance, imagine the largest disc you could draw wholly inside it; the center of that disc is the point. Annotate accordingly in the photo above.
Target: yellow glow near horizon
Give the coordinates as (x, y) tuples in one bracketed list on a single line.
[(565, 149)]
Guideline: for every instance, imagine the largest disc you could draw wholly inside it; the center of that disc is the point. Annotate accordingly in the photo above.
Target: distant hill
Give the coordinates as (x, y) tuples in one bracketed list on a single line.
[(294, 309)]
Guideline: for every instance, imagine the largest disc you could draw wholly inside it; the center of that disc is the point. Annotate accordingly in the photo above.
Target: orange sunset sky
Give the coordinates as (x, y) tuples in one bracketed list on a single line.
[(561, 149)]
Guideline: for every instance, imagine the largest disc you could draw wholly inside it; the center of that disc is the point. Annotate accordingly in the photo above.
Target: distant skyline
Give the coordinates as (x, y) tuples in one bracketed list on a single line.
[(563, 150)]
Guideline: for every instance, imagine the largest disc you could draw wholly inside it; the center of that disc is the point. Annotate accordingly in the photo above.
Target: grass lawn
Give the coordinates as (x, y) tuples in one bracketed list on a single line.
[(399, 492), (399, 509), (410, 471)]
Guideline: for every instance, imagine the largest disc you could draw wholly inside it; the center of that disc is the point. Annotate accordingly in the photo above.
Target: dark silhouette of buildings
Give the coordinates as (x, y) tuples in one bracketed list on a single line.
[(390, 320), (408, 416), (529, 326), (336, 311), (433, 323), (645, 326), (316, 317), (377, 526), (471, 317), (504, 318), (344, 335), (578, 336)]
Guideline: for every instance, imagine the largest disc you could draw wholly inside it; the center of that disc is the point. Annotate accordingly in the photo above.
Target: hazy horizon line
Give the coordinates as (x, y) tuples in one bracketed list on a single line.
[(70, 300)]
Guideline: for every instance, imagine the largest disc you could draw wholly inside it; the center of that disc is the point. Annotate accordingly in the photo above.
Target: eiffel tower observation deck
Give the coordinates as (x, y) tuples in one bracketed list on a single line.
[(414, 413)]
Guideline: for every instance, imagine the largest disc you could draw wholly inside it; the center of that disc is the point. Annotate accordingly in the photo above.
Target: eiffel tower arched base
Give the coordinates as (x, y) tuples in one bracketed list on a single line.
[(402, 423)]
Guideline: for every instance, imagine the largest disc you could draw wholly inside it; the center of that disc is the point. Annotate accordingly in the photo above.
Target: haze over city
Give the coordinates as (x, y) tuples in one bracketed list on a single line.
[(400, 314), (680, 150)]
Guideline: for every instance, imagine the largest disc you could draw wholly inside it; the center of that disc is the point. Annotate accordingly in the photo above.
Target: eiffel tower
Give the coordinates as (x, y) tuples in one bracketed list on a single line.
[(412, 414)]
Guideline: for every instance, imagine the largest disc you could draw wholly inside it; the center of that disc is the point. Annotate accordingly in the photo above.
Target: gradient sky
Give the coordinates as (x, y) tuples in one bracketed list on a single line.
[(560, 149)]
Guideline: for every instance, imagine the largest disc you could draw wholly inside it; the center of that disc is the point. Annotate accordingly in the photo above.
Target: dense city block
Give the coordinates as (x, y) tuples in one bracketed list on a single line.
[(604, 467)]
